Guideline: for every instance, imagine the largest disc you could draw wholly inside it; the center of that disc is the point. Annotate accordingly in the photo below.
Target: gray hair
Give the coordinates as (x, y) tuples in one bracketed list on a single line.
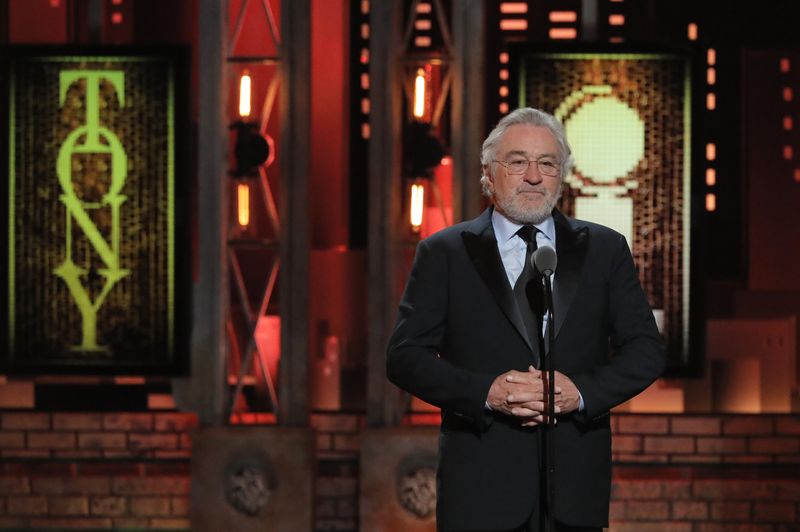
[(524, 116)]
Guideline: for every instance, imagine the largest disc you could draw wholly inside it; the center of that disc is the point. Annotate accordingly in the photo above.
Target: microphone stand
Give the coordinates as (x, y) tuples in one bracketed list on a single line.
[(550, 368)]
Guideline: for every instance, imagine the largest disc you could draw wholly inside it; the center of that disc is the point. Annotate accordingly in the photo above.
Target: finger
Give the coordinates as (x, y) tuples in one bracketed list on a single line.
[(519, 411), (515, 376), (535, 420), (524, 397), (533, 405)]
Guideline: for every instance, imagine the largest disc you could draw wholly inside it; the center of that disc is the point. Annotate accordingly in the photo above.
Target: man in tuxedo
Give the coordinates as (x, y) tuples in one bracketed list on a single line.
[(469, 339)]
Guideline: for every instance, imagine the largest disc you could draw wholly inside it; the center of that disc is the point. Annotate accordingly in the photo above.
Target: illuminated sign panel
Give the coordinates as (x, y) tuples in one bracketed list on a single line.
[(96, 280), (627, 118)]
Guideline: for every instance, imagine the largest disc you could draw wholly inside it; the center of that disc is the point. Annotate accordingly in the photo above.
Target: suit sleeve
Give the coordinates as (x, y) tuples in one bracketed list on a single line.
[(639, 354), (413, 361)]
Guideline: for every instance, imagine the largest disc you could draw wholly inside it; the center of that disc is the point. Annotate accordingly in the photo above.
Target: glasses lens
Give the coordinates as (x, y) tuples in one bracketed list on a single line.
[(547, 167), (517, 166)]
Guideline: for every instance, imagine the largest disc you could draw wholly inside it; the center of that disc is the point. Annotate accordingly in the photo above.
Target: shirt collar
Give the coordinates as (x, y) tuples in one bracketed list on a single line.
[(504, 228)]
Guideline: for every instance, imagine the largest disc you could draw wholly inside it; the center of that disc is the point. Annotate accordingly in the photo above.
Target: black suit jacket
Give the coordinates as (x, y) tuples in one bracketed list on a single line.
[(458, 328)]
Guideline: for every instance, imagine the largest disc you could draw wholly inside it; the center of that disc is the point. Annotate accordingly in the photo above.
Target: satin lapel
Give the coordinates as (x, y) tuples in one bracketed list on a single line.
[(571, 247), (481, 247)]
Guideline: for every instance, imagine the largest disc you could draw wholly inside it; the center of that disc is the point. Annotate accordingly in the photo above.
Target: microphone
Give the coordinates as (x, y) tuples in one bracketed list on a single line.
[(544, 260)]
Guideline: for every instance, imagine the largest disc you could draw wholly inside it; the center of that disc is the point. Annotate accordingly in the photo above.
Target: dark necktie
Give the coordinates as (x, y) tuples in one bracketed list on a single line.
[(527, 286)]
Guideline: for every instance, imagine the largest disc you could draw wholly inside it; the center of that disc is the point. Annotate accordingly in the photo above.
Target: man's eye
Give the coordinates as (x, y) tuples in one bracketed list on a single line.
[(547, 164), (518, 162)]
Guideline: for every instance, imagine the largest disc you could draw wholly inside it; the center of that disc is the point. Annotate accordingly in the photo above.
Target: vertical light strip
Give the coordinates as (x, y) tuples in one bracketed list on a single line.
[(419, 93), (711, 78), (11, 221), (244, 94), (687, 200), (243, 205), (785, 66), (417, 205), (171, 211)]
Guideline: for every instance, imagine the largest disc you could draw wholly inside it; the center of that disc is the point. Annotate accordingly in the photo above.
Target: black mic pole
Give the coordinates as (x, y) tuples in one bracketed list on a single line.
[(550, 365), (544, 260)]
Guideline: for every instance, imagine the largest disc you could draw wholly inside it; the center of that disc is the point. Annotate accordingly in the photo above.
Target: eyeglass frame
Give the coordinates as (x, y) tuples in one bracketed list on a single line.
[(556, 165)]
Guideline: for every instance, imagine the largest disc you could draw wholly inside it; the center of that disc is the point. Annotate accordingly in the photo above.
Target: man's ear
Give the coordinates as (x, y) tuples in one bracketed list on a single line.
[(489, 178)]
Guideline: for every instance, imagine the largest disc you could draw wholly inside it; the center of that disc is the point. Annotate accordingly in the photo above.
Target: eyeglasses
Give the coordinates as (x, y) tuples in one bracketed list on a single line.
[(546, 166)]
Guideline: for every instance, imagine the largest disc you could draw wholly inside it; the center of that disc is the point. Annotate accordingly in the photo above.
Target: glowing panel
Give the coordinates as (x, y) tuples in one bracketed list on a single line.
[(691, 31), (616, 19), (711, 202), (95, 251), (632, 161), (422, 24), (562, 33), (563, 16), (513, 24), (513, 7), (711, 177), (422, 41)]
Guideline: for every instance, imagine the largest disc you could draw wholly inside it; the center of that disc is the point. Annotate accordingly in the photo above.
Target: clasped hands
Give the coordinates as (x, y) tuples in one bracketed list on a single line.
[(522, 394)]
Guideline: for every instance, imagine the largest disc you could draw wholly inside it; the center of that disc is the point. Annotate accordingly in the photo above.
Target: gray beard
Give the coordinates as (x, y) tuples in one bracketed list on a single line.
[(523, 216)]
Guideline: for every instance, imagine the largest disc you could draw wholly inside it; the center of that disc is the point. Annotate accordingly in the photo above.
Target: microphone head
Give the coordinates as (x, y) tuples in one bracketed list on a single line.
[(544, 260)]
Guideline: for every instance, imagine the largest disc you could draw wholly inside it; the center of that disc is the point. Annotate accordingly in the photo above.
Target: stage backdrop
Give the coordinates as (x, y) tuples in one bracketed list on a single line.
[(627, 118), (96, 280)]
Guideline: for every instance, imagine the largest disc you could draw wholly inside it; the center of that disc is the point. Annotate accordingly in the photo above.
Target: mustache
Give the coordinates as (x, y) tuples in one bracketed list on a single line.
[(530, 188)]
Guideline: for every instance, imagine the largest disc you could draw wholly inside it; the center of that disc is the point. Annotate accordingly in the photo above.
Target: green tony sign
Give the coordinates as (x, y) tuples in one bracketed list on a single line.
[(92, 132), (92, 229)]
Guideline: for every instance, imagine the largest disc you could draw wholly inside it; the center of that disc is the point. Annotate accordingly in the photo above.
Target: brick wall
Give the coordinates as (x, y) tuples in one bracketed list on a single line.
[(122, 470), (94, 471), (338, 446), (667, 474)]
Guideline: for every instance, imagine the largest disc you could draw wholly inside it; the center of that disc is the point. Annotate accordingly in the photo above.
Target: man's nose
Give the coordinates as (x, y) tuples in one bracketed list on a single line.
[(532, 173)]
